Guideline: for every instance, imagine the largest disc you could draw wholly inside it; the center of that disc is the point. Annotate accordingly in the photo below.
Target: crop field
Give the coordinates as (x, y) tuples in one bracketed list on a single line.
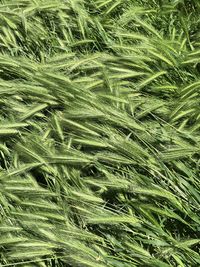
[(99, 133)]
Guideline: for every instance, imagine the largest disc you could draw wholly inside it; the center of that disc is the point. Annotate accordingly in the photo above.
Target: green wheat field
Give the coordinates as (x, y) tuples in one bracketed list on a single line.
[(99, 133)]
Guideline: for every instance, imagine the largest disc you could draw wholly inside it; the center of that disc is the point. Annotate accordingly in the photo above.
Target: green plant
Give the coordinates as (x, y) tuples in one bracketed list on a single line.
[(100, 143)]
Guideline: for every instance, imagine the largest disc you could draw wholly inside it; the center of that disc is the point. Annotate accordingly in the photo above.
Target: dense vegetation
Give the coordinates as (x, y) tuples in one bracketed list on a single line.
[(100, 133)]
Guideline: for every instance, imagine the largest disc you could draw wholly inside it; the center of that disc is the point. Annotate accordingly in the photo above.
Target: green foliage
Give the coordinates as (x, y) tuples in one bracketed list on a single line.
[(99, 136)]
